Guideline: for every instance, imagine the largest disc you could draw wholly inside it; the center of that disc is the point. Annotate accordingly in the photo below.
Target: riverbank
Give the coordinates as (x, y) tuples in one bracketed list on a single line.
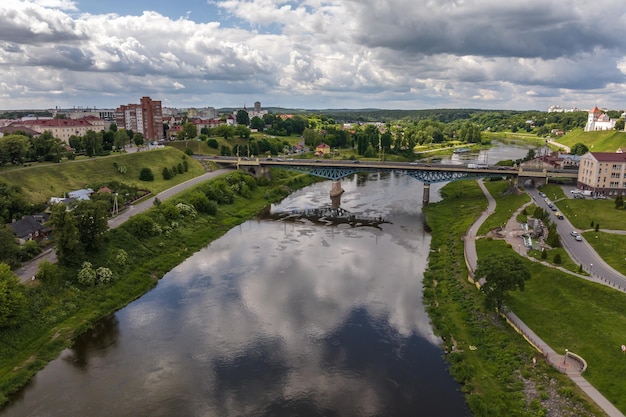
[(486, 355), (61, 309)]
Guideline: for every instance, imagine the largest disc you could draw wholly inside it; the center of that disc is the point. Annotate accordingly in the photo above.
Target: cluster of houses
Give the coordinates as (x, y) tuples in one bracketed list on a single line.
[(33, 227)]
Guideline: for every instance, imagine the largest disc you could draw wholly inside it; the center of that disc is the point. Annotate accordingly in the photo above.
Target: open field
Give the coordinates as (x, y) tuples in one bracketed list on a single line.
[(508, 201), (612, 248), (40, 182)]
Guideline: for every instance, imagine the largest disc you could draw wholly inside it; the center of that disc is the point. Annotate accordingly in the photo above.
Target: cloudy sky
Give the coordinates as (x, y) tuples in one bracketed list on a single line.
[(393, 54)]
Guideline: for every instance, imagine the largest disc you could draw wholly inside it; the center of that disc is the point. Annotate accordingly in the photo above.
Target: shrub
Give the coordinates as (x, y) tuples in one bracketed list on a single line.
[(212, 143), (166, 173), (146, 174), (141, 225), (170, 212), (199, 201), (87, 275), (121, 258), (104, 275), (188, 151), (544, 254), (557, 259)]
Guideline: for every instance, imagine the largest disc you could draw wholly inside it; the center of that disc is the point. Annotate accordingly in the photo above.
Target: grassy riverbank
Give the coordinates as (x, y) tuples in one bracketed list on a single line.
[(61, 309), (487, 356)]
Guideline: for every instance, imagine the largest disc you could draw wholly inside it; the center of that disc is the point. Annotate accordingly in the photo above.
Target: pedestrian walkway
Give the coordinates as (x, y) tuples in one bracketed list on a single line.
[(569, 363)]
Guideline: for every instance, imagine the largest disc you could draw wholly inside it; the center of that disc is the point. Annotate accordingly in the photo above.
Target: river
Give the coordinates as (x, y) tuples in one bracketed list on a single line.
[(283, 316)]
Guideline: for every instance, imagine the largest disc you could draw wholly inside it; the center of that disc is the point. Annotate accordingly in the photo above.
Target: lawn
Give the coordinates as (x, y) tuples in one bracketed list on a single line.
[(582, 212), (508, 200), (612, 248), (40, 182), (571, 313), (601, 141)]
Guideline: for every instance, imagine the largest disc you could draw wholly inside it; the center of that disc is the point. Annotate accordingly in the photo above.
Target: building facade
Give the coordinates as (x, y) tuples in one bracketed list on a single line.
[(597, 120), (145, 118), (62, 128), (603, 173)]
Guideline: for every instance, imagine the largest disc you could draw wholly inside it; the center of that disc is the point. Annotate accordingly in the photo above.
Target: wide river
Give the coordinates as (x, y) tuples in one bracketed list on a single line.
[(285, 315)]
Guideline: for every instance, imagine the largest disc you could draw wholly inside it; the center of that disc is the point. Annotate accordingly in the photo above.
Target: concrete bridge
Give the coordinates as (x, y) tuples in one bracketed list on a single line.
[(428, 174)]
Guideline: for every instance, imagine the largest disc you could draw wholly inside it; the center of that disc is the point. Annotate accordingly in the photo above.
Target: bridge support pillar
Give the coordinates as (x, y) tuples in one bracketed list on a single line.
[(426, 196), (336, 189)]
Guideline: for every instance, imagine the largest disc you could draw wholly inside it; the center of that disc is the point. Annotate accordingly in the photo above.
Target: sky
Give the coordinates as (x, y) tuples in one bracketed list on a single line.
[(314, 54)]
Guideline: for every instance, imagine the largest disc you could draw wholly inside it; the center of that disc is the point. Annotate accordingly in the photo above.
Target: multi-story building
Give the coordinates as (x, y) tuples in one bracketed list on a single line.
[(62, 128), (598, 120), (145, 118), (603, 173)]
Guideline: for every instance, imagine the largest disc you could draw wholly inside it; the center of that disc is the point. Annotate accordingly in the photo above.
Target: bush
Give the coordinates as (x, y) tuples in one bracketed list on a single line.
[(557, 259), (188, 151), (104, 275), (544, 254), (166, 173), (212, 143), (141, 225), (87, 275), (29, 250), (146, 175)]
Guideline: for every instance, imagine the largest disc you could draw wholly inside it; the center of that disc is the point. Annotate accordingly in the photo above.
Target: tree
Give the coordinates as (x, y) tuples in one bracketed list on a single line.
[(13, 301), (138, 139), (242, 118), (225, 131), (257, 123), (579, 149), (619, 202), (91, 220), (503, 273), (619, 124), (190, 131), (9, 248), (242, 131), (13, 149), (65, 229), (121, 138)]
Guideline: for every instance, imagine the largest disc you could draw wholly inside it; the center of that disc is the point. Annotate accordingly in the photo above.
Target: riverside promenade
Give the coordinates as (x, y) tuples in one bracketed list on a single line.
[(568, 363)]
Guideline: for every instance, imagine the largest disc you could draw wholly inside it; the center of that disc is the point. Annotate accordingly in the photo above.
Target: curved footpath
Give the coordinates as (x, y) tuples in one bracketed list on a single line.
[(30, 269), (568, 363)]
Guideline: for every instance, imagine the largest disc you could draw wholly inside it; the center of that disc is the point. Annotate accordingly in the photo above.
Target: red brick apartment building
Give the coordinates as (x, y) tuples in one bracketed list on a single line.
[(145, 118)]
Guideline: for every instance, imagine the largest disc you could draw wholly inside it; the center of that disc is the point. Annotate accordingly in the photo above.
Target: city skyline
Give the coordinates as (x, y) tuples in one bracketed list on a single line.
[(313, 54)]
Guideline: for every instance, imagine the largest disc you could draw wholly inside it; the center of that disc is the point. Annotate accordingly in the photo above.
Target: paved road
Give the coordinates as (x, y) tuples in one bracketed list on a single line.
[(29, 270), (580, 251)]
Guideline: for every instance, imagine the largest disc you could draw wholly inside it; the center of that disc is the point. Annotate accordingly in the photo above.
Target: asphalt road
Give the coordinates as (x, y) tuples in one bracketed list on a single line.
[(29, 270), (580, 251)]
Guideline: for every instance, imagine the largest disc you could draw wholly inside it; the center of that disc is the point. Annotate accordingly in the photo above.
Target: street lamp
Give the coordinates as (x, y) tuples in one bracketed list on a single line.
[(590, 268), (565, 357)]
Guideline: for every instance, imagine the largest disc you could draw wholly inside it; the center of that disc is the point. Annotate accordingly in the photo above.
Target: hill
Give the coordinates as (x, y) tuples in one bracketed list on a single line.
[(601, 141), (40, 182)]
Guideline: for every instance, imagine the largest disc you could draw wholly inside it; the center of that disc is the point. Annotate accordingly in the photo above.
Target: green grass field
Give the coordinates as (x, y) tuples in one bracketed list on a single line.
[(40, 182), (571, 313), (507, 202), (604, 141)]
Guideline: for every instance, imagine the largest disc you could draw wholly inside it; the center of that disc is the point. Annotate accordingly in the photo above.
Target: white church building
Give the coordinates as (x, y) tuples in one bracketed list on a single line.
[(599, 120)]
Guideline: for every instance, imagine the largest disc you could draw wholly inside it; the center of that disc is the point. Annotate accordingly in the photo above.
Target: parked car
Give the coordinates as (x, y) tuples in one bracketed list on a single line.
[(559, 215)]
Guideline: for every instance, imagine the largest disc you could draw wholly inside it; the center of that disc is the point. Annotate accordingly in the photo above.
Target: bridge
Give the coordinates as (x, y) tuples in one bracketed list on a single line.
[(428, 174)]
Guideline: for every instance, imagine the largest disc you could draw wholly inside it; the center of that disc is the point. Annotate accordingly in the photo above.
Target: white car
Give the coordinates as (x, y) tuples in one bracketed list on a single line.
[(579, 238)]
